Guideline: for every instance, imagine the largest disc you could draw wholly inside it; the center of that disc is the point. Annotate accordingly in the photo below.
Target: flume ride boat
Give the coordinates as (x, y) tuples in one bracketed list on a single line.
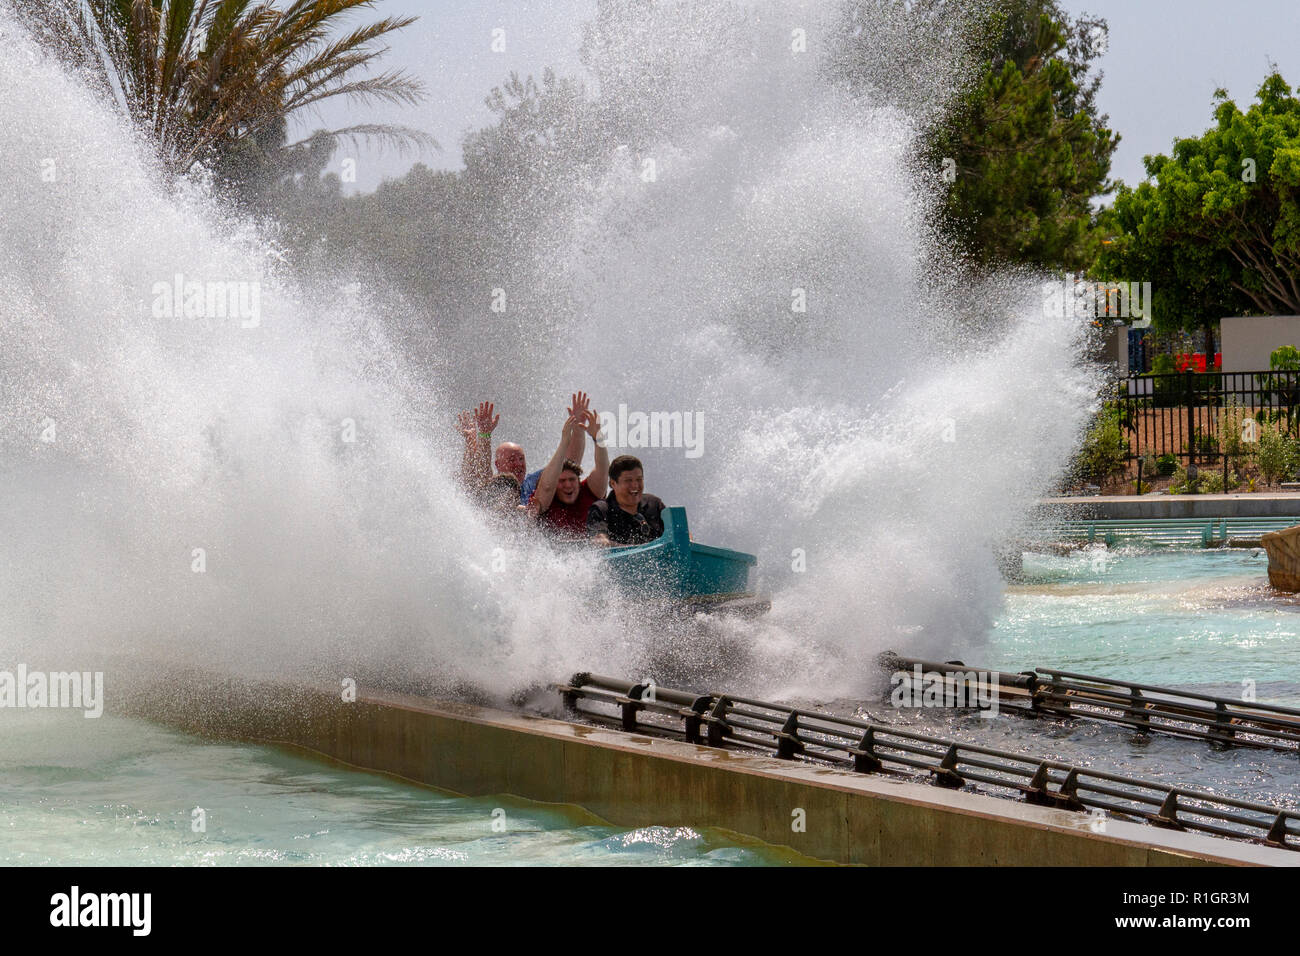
[(694, 577)]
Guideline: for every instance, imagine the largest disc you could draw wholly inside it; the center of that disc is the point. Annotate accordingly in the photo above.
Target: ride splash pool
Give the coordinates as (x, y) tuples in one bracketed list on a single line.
[(125, 792), (1196, 620), (194, 501)]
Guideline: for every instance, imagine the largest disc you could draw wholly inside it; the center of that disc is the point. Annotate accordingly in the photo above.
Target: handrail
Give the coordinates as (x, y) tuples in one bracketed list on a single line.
[(721, 720), (1144, 707)]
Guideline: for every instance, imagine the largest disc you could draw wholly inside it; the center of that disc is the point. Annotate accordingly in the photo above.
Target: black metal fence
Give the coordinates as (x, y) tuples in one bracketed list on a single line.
[(721, 720), (1205, 418)]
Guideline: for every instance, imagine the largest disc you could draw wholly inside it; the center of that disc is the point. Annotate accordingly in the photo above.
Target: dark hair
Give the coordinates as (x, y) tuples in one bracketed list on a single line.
[(621, 464), (572, 466)]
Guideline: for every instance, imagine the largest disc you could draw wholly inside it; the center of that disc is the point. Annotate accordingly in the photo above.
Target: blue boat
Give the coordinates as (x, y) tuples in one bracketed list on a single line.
[(677, 570)]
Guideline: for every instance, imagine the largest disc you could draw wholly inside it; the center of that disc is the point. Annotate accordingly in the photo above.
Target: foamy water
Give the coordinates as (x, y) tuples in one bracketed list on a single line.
[(278, 496)]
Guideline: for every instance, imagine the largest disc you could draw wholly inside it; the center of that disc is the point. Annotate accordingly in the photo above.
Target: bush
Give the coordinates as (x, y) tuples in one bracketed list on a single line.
[(1279, 389), (1104, 447), (1208, 482), (1166, 465), (1230, 428), (1279, 454), (1202, 445)]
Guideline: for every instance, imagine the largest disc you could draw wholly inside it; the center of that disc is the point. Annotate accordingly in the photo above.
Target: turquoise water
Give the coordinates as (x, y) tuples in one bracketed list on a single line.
[(124, 792), (1192, 618), (117, 791), (1203, 620)]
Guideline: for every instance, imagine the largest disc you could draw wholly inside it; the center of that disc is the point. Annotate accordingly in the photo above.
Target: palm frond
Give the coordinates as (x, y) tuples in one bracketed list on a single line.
[(205, 76)]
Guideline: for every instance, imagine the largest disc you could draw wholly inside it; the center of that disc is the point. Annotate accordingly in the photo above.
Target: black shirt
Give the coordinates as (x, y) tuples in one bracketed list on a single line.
[(606, 517)]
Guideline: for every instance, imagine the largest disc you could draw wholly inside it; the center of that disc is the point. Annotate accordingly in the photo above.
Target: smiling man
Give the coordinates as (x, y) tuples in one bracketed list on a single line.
[(562, 500), (628, 515)]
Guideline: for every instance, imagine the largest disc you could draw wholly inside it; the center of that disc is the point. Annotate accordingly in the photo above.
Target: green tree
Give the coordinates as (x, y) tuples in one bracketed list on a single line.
[(1026, 144), (216, 80), (1030, 149), (1216, 226)]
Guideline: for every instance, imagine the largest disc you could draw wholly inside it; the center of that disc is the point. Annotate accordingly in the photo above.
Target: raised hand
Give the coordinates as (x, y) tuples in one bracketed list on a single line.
[(484, 420), (591, 425), (580, 403), (465, 424)]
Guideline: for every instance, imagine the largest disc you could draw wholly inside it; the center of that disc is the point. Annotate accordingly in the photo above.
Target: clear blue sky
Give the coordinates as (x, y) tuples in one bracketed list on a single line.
[(1165, 59)]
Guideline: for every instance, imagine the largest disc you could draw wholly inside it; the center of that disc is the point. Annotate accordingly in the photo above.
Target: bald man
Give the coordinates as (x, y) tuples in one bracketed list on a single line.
[(510, 459)]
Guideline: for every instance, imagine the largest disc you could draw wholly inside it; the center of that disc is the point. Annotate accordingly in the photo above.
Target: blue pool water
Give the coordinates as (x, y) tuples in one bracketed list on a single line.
[(1193, 619), (1196, 619), (121, 791), (118, 791)]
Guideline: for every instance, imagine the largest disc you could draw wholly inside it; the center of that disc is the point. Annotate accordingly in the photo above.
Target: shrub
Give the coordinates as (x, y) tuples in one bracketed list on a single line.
[(1208, 482), (1202, 444), (1230, 428), (1279, 390), (1104, 446), (1279, 455), (1166, 465)]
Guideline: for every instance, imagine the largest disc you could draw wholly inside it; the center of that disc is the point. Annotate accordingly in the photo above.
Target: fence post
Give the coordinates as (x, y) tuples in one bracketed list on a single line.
[(1188, 390)]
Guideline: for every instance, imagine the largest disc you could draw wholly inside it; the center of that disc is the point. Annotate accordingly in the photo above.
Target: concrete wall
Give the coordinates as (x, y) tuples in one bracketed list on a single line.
[(1118, 507), (1247, 341), (633, 780)]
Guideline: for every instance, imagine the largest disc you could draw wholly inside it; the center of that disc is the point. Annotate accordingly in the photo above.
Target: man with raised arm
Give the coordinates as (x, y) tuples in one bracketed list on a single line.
[(510, 458), (561, 501), (476, 462)]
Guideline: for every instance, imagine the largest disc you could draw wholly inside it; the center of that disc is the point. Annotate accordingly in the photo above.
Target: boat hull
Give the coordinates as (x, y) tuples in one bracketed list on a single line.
[(677, 569)]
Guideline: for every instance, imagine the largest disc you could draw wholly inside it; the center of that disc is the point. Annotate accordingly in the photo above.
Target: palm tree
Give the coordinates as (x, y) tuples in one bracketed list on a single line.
[(209, 79)]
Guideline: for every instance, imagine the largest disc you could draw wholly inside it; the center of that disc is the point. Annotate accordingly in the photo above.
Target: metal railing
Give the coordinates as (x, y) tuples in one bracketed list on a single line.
[(724, 720), (1183, 414), (1146, 708)]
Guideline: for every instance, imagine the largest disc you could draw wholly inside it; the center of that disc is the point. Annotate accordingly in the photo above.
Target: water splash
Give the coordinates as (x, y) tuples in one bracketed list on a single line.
[(182, 491)]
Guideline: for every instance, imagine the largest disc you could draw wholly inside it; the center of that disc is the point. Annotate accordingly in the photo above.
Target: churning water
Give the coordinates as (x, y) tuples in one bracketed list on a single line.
[(744, 241), (276, 493)]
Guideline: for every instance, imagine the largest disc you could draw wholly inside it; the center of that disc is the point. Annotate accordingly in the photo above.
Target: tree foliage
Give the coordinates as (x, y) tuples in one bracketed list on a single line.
[(1216, 226), (1025, 148), (1030, 149), (216, 80)]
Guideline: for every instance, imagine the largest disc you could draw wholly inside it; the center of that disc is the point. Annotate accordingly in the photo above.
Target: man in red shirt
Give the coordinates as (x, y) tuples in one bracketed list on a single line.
[(561, 501)]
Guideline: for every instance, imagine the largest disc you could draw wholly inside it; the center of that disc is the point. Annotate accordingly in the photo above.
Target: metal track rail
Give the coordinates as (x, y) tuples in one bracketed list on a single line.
[(724, 720), (1146, 708)]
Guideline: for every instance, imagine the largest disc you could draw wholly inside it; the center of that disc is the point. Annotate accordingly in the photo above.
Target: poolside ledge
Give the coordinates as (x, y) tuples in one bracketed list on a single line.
[(633, 780), (1117, 507)]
